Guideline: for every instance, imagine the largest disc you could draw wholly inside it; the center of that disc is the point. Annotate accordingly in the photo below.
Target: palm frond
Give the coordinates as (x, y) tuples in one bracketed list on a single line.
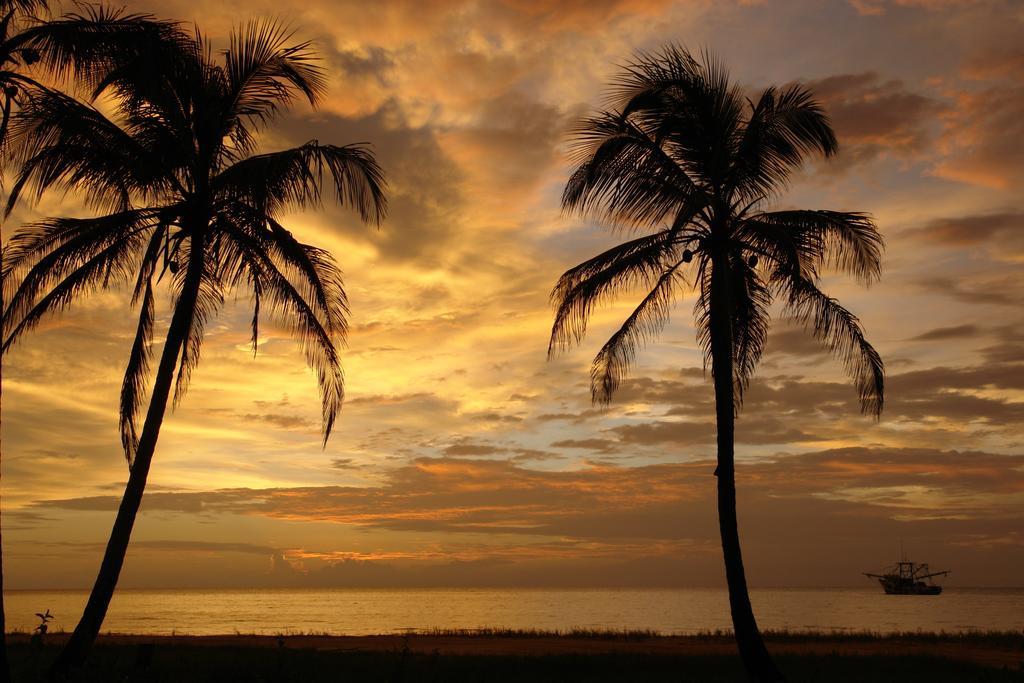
[(638, 262), (625, 175), (290, 179), (65, 144), (317, 271), (112, 265), (42, 254), (842, 334), (652, 73), (87, 44), (24, 6), (133, 387), (264, 73), (750, 300), (784, 127), (613, 361), (288, 304), (313, 271), (202, 290), (34, 240), (687, 105), (848, 241)]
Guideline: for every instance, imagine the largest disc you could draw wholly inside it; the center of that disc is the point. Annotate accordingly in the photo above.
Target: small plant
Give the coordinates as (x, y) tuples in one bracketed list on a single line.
[(42, 628)]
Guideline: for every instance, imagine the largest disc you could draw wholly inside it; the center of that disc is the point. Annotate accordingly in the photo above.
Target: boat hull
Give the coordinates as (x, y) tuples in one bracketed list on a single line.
[(896, 588)]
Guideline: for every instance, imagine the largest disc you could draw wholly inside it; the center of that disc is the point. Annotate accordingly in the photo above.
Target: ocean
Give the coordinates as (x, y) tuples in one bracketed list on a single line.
[(375, 611)]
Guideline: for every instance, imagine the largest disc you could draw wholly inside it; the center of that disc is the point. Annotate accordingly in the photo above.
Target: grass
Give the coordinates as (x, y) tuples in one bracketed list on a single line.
[(1008, 639), (1011, 639), (587, 633), (169, 662)]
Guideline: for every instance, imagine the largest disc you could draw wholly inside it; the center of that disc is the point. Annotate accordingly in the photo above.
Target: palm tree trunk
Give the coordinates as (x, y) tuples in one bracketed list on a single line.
[(77, 647), (756, 660), (5, 667)]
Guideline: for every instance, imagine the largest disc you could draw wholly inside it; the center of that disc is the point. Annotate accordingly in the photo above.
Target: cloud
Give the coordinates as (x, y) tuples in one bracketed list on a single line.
[(595, 444), (1003, 231), (424, 194), (204, 547), (756, 429), (470, 448), (880, 7), (469, 495), (983, 288), (838, 500), (510, 145), (873, 116), (584, 16), (791, 340), (791, 409), (459, 447), (1009, 347), (983, 140), (282, 421), (524, 455), (946, 333), (343, 463)]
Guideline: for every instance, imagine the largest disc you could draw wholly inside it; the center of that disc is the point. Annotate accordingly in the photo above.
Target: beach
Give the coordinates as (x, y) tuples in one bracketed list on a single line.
[(531, 655)]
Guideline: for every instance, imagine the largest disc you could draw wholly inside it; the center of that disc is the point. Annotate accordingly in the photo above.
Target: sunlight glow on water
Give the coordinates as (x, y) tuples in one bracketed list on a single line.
[(372, 611)]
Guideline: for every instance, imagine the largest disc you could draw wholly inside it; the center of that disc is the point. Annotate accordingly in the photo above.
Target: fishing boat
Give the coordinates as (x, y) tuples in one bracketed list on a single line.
[(907, 578)]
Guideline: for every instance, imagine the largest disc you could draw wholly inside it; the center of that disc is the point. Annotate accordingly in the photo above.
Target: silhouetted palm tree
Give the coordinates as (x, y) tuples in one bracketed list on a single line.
[(686, 159), (13, 58), (183, 196), (87, 40), (90, 41), (14, 55)]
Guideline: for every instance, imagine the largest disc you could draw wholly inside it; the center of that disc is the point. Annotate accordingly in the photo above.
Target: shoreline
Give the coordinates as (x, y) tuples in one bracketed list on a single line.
[(996, 650)]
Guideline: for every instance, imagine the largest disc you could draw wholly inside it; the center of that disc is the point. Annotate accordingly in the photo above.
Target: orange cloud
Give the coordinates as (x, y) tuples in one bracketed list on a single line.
[(879, 7)]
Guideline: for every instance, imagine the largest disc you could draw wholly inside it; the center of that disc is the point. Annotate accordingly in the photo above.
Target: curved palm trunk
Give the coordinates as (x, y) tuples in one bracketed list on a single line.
[(756, 660), (77, 647), (5, 668)]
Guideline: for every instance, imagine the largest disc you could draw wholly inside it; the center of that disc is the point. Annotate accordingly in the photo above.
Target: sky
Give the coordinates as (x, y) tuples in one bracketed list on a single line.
[(463, 455)]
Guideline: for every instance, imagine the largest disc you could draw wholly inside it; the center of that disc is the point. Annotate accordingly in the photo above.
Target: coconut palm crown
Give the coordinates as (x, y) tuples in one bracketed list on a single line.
[(31, 44), (75, 44), (185, 198), (683, 159), (183, 202)]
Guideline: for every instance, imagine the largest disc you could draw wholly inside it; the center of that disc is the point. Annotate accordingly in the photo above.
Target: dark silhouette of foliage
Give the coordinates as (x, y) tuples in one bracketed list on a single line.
[(74, 44), (689, 163), (44, 622), (185, 203), (14, 58)]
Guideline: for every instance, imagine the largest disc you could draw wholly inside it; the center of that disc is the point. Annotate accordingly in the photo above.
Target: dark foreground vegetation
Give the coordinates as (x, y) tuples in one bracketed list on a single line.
[(498, 656)]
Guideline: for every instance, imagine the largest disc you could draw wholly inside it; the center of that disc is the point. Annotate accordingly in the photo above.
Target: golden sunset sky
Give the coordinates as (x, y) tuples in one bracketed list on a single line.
[(463, 457)]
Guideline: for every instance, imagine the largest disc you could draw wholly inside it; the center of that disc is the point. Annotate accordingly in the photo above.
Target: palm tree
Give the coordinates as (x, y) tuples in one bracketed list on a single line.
[(13, 57), (183, 196), (77, 41), (14, 54), (685, 159), (90, 41)]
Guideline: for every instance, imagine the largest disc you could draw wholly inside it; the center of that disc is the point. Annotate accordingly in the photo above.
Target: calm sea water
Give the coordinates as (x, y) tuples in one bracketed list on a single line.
[(369, 611)]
